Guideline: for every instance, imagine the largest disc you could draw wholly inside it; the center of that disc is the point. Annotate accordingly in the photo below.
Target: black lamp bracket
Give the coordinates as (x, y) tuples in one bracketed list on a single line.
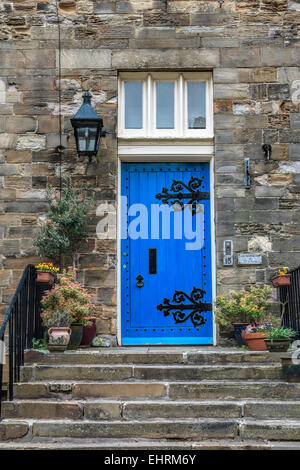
[(104, 133), (267, 148), (60, 148)]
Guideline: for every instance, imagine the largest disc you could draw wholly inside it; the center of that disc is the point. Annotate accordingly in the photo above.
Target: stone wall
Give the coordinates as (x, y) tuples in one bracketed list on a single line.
[(252, 46)]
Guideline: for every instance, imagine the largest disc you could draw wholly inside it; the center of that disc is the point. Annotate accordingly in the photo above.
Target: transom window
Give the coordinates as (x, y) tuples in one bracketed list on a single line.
[(165, 105)]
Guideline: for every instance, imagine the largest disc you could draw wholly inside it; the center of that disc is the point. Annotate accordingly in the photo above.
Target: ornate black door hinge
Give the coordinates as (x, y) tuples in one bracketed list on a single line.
[(182, 312), (176, 196)]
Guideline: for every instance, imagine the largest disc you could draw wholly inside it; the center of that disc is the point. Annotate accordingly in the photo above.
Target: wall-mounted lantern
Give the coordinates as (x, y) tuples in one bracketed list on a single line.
[(88, 127)]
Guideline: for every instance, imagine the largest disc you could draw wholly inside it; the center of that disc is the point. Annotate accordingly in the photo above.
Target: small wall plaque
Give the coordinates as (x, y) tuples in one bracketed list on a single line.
[(249, 258)]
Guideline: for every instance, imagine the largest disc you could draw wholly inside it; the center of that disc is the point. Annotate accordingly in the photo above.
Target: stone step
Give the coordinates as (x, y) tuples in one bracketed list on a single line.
[(148, 409), (152, 356), (197, 429), (116, 409), (207, 389), (275, 430), (234, 390), (161, 372), (151, 429), (147, 444)]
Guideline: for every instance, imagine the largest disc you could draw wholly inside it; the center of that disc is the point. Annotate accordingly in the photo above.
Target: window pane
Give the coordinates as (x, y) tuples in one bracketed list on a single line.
[(165, 105), (196, 105), (133, 105)]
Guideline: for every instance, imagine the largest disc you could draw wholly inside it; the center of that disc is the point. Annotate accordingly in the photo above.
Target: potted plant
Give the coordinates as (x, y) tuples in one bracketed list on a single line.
[(279, 339), (255, 336), (242, 308), (66, 225), (46, 273), (68, 295), (282, 278), (89, 333), (59, 331)]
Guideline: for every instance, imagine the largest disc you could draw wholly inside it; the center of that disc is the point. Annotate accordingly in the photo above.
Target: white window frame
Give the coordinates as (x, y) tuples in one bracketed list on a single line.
[(181, 130)]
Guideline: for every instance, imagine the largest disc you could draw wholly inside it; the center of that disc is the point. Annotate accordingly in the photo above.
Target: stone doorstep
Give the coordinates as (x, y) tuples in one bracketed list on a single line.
[(146, 444), (152, 356), (149, 409), (149, 372), (206, 389)]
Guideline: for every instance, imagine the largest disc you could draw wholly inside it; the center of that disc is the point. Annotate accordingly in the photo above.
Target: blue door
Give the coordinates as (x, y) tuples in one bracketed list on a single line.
[(166, 281)]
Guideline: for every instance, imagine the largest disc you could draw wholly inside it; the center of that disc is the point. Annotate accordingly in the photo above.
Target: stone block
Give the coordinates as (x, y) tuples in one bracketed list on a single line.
[(7, 141), (165, 410), (48, 124), (18, 156), (20, 125), (102, 411), (13, 430), (42, 410), (265, 74), (283, 431), (122, 390), (226, 75), (100, 278), (85, 59), (104, 7), (167, 58), (30, 142), (26, 207), (240, 57), (9, 169), (231, 91), (278, 56)]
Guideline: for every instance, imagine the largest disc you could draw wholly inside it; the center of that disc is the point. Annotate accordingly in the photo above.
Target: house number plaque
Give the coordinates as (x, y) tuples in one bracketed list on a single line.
[(249, 258)]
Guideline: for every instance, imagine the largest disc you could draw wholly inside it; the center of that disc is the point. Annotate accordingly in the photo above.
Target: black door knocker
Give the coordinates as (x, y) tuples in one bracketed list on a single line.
[(139, 281)]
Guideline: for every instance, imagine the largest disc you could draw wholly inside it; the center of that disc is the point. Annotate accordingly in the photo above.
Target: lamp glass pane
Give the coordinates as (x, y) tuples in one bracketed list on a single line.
[(165, 105), (86, 139), (196, 105), (133, 105)]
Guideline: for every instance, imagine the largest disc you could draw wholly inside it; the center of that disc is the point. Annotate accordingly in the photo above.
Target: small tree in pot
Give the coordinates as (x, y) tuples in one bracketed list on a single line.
[(66, 226)]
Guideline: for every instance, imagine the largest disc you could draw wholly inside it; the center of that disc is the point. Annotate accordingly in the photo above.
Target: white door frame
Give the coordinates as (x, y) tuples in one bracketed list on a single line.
[(134, 151)]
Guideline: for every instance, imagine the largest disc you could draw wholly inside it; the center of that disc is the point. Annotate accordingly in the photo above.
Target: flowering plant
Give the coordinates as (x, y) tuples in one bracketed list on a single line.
[(67, 296), (245, 306), (256, 328), (282, 271), (47, 267)]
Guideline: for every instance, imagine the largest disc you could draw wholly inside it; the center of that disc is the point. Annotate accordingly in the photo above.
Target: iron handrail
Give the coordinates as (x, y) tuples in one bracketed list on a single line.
[(23, 322), (289, 297)]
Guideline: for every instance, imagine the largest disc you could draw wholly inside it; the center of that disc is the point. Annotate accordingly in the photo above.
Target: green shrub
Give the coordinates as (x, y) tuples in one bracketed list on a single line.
[(245, 306)]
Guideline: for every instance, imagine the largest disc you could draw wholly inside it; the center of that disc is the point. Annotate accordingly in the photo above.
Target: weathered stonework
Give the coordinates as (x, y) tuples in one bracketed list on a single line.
[(252, 48)]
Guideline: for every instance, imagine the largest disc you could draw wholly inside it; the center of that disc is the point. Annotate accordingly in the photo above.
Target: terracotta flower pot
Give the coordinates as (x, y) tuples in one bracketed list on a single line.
[(281, 280), (76, 336), (59, 338), (89, 333), (45, 277), (256, 341)]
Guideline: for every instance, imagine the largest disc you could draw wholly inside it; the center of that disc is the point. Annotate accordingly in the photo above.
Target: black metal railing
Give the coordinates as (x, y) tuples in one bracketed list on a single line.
[(21, 324), (289, 298)]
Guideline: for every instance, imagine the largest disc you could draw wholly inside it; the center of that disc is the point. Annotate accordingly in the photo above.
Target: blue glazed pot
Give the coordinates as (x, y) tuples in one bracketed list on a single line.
[(238, 328)]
